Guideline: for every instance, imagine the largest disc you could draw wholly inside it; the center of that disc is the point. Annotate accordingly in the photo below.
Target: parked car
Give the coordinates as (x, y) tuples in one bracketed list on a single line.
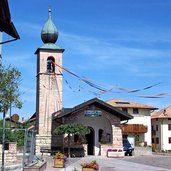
[(127, 147)]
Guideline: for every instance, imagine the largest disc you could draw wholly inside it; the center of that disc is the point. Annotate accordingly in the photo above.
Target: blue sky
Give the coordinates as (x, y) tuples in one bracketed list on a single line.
[(125, 43)]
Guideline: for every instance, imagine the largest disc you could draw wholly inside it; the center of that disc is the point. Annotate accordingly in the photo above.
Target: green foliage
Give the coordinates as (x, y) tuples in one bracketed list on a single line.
[(73, 128), (10, 137), (14, 135), (20, 134), (9, 88)]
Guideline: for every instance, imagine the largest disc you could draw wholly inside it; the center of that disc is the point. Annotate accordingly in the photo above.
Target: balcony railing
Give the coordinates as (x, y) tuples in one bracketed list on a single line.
[(134, 128)]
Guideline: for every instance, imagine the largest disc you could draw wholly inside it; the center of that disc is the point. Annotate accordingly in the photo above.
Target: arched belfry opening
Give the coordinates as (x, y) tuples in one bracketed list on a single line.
[(50, 64)]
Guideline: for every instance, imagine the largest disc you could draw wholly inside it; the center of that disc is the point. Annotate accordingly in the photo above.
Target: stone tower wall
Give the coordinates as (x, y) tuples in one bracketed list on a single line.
[(49, 91), (49, 95)]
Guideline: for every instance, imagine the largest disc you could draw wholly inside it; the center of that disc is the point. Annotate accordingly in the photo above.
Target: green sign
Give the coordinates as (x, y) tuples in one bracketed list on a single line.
[(93, 113)]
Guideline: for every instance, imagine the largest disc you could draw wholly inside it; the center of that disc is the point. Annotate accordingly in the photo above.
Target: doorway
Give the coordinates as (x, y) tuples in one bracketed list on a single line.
[(90, 142)]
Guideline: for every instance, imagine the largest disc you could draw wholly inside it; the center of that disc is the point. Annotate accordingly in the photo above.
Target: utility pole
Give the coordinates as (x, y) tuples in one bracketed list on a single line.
[(0, 48), (3, 141), (3, 129)]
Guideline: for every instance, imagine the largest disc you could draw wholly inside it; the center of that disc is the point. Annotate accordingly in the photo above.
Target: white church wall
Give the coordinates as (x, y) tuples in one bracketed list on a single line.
[(96, 123)]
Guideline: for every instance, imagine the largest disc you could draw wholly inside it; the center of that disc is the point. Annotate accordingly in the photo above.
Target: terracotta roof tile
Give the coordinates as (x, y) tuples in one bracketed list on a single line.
[(163, 113), (124, 103)]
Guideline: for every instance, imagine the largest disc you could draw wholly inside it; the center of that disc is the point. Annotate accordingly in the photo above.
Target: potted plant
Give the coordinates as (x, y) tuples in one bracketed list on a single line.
[(59, 160), (90, 166)]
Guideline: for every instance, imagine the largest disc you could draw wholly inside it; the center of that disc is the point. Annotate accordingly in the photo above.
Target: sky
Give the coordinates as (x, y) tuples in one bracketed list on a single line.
[(114, 44)]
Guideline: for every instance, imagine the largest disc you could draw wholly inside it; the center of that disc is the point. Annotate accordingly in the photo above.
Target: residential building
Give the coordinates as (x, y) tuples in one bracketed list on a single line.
[(161, 129), (138, 129)]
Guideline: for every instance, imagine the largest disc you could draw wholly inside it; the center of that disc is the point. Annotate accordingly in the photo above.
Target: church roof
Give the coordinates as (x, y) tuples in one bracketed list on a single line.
[(119, 103), (163, 113), (99, 103)]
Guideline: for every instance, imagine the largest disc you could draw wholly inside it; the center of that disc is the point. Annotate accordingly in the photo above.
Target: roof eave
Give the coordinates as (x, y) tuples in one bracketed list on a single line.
[(123, 116)]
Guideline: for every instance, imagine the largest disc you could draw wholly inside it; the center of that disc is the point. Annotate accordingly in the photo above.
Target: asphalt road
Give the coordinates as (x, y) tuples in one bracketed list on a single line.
[(163, 161), (128, 163)]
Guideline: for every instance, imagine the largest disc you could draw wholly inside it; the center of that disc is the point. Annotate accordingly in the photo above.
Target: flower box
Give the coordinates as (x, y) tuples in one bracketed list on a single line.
[(59, 160), (59, 163), (115, 152), (91, 166), (87, 169)]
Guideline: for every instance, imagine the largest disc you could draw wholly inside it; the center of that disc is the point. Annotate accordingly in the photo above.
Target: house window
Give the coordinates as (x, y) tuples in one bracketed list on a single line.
[(157, 140), (135, 111), (157, 128), (50, 64), (125, 110), (152, 128), (152, 140), (156, 119), (169, 140), (169, 127), (169, 118)]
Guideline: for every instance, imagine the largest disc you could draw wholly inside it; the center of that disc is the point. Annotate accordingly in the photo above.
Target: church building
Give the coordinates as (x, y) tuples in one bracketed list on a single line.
[(103, 119)]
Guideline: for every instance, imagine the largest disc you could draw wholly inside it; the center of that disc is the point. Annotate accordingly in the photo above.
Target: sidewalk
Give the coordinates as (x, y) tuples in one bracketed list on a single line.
[(106, 164)]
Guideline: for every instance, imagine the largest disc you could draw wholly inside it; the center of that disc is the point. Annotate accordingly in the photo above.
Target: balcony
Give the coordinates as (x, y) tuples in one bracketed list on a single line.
[(134, 128)]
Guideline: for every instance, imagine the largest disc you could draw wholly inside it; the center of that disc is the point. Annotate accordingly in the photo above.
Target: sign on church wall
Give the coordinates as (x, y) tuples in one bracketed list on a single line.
[(93, 113)]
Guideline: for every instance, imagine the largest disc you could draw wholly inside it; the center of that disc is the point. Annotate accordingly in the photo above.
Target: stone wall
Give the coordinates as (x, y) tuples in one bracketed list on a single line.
[(10, 155), (42, 141)]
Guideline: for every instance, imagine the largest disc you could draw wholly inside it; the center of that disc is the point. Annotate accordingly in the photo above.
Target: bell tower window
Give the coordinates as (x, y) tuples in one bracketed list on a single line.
[(50, 64)]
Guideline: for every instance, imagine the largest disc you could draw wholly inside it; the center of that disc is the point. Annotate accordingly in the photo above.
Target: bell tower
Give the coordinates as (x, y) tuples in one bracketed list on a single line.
[(48, 83)]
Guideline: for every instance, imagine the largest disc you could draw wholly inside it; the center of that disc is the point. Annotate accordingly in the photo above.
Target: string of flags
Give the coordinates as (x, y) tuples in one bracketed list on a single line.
[(102, 90)]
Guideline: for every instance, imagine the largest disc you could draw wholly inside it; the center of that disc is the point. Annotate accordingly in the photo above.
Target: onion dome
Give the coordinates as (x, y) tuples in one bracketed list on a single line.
[(49, 32)]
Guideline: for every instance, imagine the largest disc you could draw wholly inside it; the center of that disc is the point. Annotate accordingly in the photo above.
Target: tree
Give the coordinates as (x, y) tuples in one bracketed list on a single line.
[(14, 135), (71, 129), (10, 137), (9, 96), (9, 88)]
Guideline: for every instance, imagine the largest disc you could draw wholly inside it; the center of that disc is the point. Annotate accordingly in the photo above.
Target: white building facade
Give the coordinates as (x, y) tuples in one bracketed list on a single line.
[(138, 129), (161, 129)]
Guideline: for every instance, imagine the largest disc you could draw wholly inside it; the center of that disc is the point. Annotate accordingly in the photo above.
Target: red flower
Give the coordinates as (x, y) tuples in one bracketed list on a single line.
[(92, 165)]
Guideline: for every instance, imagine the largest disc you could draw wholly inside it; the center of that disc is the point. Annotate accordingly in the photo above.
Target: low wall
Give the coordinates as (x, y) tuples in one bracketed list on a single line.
[(10, 155), (138, 151), (105, 147)]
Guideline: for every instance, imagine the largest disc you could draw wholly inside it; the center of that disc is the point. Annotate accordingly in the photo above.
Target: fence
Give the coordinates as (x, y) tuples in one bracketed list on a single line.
[(20, 152)]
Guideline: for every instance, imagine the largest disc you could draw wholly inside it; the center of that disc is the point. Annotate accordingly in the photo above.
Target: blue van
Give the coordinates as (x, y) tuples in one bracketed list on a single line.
[(127, 147)]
